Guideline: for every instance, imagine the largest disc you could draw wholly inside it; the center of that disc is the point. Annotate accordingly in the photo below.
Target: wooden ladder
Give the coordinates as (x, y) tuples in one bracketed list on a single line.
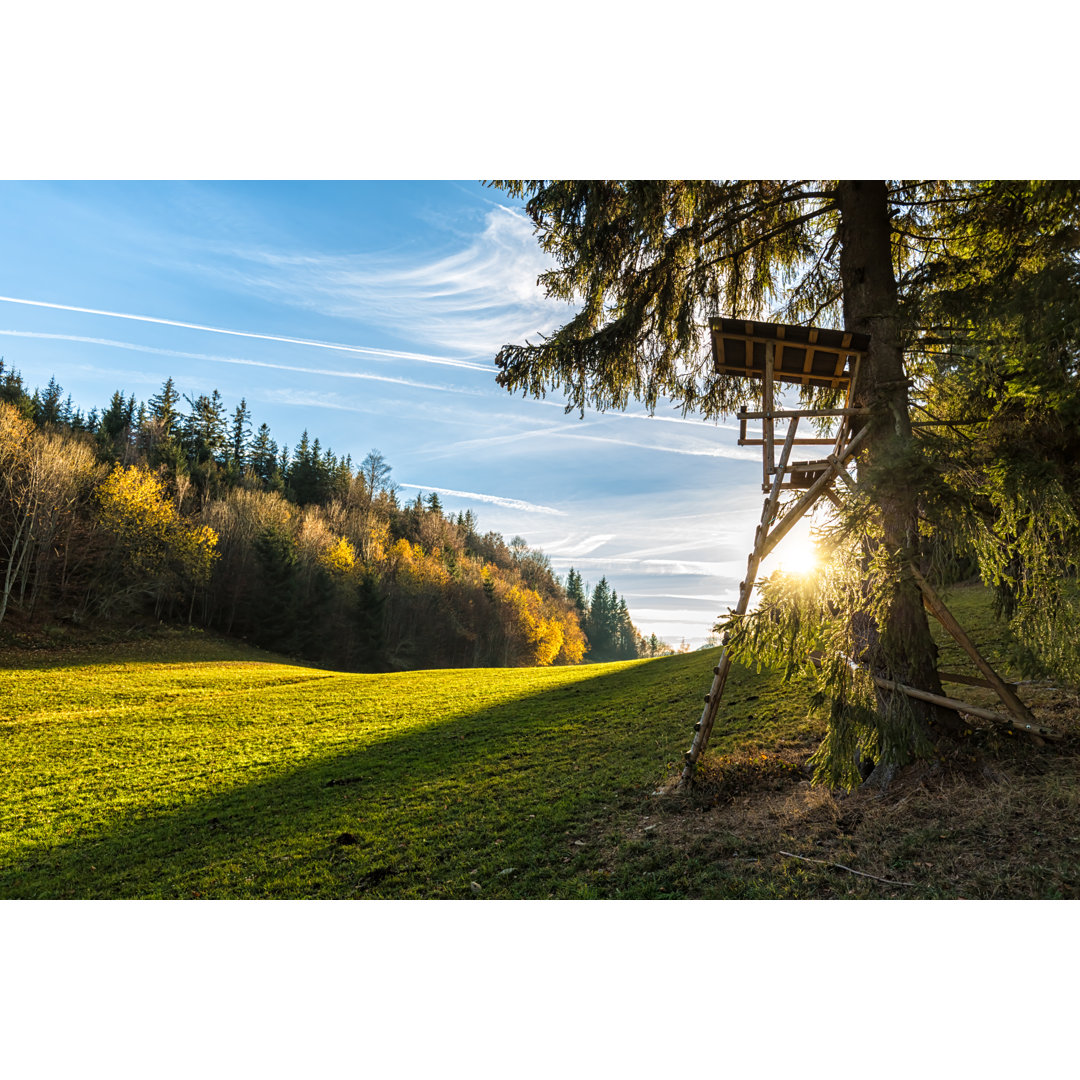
[(769, 533), (818, 480)]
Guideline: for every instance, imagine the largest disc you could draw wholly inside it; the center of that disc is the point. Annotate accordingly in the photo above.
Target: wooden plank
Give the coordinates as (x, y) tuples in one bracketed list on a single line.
[(798, 442), (834, 382), (788, 414), (944, 616)]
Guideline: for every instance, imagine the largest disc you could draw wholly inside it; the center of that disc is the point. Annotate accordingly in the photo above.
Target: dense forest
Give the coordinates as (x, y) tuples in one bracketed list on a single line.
[(175, 510)]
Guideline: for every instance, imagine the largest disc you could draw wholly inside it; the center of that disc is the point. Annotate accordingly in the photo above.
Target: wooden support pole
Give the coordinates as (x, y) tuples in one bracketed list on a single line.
[(940, 612), (768, 403)]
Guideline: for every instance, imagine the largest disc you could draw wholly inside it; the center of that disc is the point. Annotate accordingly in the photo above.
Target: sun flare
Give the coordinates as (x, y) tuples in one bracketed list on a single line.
[(798, 556)]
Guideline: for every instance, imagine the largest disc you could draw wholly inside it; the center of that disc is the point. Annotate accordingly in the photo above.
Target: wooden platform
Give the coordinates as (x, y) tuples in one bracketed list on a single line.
[(804, 355)]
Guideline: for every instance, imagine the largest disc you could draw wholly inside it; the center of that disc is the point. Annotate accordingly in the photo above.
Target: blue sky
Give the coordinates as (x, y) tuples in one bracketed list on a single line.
[(369, 314)]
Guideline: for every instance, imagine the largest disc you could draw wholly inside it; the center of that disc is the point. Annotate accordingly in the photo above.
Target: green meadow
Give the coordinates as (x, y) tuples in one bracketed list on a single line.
[(190, 767)]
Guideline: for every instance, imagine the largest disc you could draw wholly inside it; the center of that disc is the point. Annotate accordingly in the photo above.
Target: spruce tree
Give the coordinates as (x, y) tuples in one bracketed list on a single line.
[(600, 624), (49, 405), (163, 408), (239, 438), (575, 592), (264, 456)]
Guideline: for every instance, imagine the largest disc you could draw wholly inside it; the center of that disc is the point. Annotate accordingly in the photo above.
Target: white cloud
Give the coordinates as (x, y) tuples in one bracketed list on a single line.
[(574, 548), (692, 449), (473, 300)]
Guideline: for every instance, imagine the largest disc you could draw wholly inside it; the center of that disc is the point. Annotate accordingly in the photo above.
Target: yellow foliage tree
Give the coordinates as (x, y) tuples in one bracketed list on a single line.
[(158, 550), (339, 557), (542, 634)]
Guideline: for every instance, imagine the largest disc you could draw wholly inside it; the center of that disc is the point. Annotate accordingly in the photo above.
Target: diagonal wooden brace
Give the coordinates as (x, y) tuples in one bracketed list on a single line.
[(940, 612)]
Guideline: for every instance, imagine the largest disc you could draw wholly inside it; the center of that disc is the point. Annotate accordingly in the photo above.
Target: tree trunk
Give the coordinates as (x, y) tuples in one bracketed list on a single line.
[(901, 648)]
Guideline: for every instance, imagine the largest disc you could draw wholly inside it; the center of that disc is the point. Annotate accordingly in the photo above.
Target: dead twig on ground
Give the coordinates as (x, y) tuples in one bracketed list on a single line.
[(840, 866)]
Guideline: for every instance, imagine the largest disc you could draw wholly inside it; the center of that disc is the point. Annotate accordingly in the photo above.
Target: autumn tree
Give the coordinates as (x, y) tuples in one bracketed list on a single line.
[(156, 553), (42, 477)]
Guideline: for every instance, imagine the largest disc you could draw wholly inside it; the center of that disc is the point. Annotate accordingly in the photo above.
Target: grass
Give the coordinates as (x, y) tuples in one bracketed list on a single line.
[(185, 766)]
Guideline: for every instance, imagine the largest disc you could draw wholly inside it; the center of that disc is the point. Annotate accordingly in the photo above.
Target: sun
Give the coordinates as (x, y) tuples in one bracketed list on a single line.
[(798, 556)]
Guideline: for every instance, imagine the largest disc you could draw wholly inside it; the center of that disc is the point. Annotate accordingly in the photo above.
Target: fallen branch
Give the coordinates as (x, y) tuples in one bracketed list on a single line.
[(840, 866)]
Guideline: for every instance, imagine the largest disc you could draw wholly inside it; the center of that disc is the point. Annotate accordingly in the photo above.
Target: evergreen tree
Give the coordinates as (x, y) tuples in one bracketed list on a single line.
[(575, 592), (309, 476), (114, 429), (625, 634), (275, 608), (13, 391), (163, 408), (239, 438), (264, 451), (600, 624), (49, 407), (204, 428)]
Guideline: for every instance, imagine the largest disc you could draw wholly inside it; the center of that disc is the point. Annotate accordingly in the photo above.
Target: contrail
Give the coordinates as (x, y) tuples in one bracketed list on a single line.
[(498, 500), (361, 350), (399, 381)]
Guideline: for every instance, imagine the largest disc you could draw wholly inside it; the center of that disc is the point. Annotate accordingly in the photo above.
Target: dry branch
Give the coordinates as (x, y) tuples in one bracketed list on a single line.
[(840, 866)]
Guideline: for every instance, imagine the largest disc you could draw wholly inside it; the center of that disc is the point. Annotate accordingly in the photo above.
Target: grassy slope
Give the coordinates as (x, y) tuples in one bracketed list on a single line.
[(188, 767)]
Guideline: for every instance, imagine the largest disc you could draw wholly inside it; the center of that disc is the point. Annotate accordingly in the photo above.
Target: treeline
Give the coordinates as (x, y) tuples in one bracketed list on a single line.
[(154, 509), (606, 621)]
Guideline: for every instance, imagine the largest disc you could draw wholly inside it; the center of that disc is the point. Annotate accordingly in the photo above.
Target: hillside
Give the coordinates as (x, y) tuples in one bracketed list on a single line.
[(187, 766)]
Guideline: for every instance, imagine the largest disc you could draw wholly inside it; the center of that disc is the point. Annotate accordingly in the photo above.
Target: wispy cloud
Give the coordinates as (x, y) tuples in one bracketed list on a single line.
[(704, 601), (244, 361), (473, 300), (575, 548), (360, 350), (497, 500)]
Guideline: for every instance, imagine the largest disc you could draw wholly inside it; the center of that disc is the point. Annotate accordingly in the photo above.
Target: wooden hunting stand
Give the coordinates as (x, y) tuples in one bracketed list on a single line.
[(812, 356)]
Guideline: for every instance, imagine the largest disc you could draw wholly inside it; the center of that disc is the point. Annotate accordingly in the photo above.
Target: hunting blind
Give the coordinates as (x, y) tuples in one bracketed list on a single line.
[(809, 356)]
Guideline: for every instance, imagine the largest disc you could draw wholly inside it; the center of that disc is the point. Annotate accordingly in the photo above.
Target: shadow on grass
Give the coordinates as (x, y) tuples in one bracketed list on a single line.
[(501, 797)]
